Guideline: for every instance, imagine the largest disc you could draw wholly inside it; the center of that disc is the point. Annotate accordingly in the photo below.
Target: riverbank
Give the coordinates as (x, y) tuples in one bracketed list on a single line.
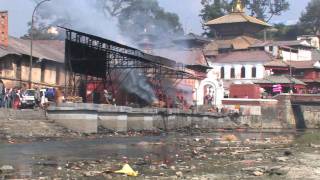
[(230, 155)]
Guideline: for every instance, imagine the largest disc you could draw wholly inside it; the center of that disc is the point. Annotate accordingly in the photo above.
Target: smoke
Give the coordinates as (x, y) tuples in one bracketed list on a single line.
[(89, 16), (136, 83), (84, 15)]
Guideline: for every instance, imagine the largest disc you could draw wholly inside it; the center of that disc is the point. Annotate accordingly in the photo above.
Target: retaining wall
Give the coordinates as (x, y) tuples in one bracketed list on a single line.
[(87, 117)]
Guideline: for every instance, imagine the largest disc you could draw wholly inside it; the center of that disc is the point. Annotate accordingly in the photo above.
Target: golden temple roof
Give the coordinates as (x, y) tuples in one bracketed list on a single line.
[(236, 17)]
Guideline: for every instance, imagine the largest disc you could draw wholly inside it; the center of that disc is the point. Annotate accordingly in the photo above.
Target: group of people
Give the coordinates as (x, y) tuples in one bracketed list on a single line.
[(10, 98), (13, 97)]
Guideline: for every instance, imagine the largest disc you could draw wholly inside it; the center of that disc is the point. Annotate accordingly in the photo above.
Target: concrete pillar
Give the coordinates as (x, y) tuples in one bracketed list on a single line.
[(260, 71), (227, 71), (248, 71), (238, 71)]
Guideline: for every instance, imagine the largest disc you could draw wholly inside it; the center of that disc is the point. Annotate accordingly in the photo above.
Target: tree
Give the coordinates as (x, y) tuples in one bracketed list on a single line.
[(262, 9), (266, 9), (132, 17), (137, 16), (212, 10), (310, 19), (286, 32), (41, 32)]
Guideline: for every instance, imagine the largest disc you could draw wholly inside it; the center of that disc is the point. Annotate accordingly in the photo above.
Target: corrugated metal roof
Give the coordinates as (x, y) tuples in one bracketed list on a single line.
[(293, 64), (281, 79), (46, 49), (238, 43), (236, 18), (282, 43), (243, 56), (276, 63), (189, 56)]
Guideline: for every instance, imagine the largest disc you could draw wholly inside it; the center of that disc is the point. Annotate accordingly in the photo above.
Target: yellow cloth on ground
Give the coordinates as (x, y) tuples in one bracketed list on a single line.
[(126, 169)]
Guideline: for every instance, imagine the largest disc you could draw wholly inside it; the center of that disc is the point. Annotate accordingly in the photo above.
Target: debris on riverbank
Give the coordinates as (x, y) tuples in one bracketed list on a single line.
[(204, 156)]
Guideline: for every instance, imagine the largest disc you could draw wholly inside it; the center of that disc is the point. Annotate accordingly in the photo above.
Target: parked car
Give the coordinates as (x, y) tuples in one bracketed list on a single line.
[(28, 99)]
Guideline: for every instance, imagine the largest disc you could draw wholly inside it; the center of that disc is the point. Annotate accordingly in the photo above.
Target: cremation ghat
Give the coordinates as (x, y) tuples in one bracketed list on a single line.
[(120, 69)]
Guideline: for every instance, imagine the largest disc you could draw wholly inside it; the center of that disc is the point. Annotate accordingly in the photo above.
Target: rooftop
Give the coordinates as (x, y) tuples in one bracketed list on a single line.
[(236, 17), (243, 56), (189, 56), (52, 50), (238, 43), (294, 64), (282, 43), (281, 79)]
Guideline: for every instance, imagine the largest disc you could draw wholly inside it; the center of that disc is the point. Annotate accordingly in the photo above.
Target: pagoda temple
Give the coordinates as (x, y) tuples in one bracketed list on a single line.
[(236, 23)]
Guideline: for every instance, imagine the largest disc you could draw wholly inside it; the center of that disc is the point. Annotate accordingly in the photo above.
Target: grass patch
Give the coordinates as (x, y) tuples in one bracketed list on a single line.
[(310, 137)]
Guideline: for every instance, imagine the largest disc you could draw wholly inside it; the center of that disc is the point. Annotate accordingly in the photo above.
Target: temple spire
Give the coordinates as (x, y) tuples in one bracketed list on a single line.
[(238, 6)]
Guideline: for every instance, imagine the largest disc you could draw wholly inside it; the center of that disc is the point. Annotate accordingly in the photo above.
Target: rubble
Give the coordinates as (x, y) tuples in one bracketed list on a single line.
[(6, 169), (282, 159)]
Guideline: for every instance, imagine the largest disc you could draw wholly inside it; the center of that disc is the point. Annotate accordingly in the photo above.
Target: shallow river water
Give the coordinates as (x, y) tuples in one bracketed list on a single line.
[(25, 155)]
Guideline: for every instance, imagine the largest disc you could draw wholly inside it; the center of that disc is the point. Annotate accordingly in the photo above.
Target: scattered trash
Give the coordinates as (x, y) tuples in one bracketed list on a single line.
[(229, 137), (179, 174), (282, 159), (126, 169), (257, 173), (314, 145), (287, 153), (6, 169), (92, 173), (278, 170)]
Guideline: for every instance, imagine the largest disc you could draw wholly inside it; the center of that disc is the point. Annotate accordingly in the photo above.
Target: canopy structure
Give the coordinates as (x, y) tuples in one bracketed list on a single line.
[(89, 55), (92, 55)]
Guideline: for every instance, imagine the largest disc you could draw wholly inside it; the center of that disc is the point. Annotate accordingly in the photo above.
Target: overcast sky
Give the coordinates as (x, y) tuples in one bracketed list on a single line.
[(20, 13)]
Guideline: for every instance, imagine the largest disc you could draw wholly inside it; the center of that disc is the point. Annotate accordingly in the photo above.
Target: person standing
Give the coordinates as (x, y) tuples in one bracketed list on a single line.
[(2, 93), (37, 97)]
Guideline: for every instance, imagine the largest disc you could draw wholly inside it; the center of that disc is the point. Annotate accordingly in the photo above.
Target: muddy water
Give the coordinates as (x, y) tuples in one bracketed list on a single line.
[(26, 155)]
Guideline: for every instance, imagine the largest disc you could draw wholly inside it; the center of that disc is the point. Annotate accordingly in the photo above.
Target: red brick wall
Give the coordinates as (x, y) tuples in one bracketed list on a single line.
[(250, 91), (4, 28), (310, 74)]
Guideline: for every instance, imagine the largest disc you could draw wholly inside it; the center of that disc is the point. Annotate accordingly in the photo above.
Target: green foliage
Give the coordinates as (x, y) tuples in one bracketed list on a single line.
[(212, 10), (266, 9), (310, 19), (286, 32), (135, 16)]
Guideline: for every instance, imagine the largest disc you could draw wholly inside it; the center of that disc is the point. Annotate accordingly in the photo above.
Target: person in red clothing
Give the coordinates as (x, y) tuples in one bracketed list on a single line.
[(16, 98)]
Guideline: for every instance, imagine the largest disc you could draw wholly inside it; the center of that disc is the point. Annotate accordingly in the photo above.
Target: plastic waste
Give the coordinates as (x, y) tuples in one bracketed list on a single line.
[(126, 169)]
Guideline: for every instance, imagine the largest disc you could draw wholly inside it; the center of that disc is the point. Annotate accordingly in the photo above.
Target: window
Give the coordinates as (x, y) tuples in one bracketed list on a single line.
[(222, 73), (254, 72), (243, 72), (232, 73), (271, 48), (299, 73)]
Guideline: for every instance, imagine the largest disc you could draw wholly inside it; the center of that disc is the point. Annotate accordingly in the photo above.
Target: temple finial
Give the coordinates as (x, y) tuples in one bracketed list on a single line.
[(238, 6)]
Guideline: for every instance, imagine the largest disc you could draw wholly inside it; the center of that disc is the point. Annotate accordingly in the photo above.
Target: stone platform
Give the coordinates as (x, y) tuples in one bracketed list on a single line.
[(87, 117)]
